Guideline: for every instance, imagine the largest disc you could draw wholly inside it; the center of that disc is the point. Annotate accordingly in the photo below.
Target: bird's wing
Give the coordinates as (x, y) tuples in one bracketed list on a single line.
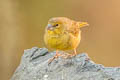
[(74, 29)]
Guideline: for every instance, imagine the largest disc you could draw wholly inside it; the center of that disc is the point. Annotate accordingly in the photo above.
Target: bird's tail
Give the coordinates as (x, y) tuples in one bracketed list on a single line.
[(82, 24)]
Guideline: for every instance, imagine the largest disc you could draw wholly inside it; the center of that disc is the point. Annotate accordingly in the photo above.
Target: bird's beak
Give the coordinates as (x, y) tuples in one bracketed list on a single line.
[(50, 27), (83, 24)]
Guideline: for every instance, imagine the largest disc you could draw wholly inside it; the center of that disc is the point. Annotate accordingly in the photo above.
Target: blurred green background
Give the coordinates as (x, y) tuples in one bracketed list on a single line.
[(22, 24)]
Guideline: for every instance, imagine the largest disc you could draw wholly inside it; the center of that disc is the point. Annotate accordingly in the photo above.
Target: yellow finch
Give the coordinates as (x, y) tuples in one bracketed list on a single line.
[(63, 33)]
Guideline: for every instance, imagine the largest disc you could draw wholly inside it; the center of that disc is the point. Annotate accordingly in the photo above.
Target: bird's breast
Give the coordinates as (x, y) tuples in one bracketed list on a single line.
[(64, 41)]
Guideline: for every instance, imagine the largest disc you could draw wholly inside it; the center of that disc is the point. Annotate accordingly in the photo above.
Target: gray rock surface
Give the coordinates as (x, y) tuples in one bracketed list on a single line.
[(34, 66)]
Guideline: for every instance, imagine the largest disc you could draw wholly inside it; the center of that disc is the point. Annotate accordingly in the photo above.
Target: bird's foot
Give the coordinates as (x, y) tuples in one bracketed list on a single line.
[(55, 57), (72, 55), (67, 55)]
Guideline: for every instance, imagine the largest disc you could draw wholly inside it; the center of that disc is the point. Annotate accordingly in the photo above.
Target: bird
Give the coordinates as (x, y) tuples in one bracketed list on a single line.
[(62, 33)]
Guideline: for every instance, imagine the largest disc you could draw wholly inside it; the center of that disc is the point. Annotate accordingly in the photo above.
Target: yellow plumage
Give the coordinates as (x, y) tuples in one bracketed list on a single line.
[(62, 33), (65, 37)]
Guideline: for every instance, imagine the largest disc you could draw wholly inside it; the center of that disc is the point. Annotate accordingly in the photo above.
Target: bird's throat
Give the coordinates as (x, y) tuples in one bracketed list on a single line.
[(55, 32)]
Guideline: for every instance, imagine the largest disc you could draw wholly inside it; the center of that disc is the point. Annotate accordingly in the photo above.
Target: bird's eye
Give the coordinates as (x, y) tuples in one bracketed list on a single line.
[(56, 25)]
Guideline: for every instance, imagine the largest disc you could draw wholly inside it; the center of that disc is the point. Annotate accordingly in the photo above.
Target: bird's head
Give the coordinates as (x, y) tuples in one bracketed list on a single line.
[(57, 24)]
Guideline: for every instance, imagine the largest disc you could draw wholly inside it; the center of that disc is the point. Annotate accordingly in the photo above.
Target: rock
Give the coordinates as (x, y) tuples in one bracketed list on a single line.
[(34, 66)]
